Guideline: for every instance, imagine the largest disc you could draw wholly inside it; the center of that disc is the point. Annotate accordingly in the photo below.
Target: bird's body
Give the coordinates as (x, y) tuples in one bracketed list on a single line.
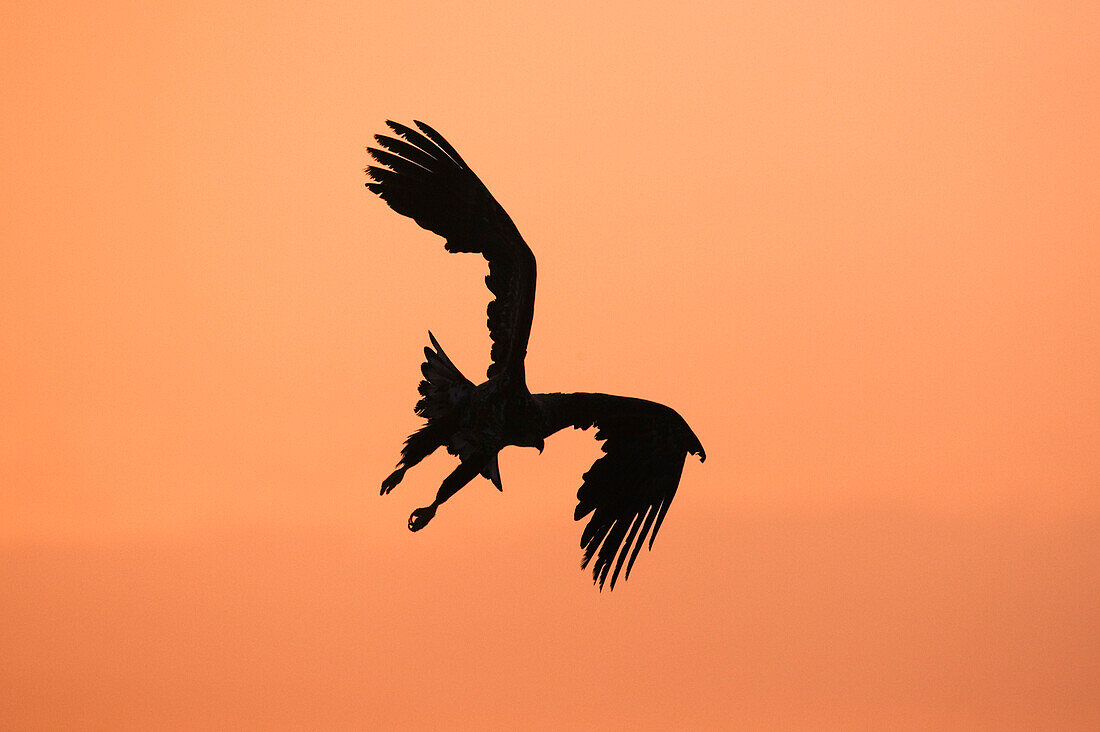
[(628, 490)]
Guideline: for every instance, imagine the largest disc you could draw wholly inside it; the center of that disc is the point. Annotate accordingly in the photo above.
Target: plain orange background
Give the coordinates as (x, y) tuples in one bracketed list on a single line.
[(854, 244)]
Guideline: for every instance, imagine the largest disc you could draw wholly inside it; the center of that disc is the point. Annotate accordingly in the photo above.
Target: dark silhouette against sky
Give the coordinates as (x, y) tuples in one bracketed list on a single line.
[(627, 492)]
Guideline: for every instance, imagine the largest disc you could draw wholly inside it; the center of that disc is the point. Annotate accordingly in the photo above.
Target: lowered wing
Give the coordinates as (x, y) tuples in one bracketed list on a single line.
[(629, 489), (425, 179)]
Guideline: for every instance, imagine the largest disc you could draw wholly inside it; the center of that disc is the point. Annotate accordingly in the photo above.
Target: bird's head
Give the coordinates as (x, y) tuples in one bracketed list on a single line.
[(535, 430), (530, 434), (695, 447), (532, 440)]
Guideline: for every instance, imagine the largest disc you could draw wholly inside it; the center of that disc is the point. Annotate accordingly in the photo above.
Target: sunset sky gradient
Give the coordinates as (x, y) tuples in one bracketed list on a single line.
[(856, 245)]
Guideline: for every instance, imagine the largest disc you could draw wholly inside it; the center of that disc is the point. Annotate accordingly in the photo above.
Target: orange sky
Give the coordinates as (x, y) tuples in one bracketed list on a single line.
[(855, 246)]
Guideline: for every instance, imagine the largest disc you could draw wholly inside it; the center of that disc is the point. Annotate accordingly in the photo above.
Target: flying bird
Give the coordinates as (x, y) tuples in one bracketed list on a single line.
[(627, 491)]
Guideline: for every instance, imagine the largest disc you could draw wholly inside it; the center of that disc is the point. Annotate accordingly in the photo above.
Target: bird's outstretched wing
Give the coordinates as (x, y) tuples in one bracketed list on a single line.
[(426, 180), (629, 489)]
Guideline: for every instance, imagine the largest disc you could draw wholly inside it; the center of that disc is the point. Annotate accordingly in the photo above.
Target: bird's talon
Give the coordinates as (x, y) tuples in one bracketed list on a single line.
[(420, 518), (391, 482)]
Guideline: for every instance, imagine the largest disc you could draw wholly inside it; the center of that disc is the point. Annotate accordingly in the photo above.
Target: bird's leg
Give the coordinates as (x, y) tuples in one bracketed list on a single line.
[(462, 475), (420, 445)]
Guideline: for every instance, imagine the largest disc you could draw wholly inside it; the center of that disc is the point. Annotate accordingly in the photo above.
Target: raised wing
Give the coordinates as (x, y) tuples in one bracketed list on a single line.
[(629, 489), (426, 180)]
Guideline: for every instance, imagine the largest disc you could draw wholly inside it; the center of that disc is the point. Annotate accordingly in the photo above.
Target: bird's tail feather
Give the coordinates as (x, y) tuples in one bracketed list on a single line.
[(443, 386)]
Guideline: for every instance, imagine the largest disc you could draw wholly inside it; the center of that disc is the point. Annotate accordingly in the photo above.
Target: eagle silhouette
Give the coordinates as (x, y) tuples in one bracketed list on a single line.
[(628, 490)]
